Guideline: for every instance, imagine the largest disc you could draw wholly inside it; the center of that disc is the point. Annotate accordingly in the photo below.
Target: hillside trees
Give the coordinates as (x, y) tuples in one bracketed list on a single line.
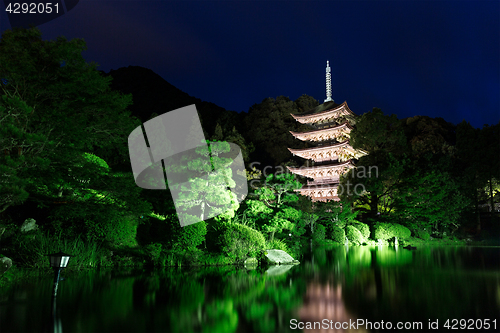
[(479, 154), (268, 125), (431, 196), (410, 173), (232, 135), (377, 174)]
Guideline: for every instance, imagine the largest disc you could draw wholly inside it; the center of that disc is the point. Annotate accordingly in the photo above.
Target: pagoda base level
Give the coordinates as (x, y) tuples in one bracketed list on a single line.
[(325, 199), (324, 193)]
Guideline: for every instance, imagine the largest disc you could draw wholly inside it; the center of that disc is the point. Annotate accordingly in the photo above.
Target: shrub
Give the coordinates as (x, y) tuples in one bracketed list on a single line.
[(354, 235), (340, 223), (124, 232), (387, 231), (189, 237), (238, 241), (167, 230), (422, 234), (154, 251), (338, 235), (400, 231), (382, 231), (363, 228), (319, 232), (97, 224), (277, 244)]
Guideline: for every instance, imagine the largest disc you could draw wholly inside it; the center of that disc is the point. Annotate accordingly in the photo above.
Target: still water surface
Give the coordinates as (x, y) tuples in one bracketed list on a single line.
[(331, 286)]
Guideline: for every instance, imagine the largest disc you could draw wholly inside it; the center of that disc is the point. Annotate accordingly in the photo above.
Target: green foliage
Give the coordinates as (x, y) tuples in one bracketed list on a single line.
[(319, 232), (429, 136), (275, 209), (422, 234), (410, 176), (373, 183), (183, 238), (31, 249), (268, 125), (335, 214), (278, 190), (166, 230), (387, 231), (277, 244), (479, 166), (363, 229), (235, 137), (154, 251), (210, 195), (309, 220), (337, 234), (376, 132), (354, 235), (419, 178), (53, 117), (435, 187), (382, 231), (257, 209), (96, 160), (190, 236), (13, 192), (236, 240)]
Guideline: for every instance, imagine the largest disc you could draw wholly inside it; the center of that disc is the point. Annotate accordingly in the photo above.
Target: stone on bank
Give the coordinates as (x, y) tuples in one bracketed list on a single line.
[(279, 257)]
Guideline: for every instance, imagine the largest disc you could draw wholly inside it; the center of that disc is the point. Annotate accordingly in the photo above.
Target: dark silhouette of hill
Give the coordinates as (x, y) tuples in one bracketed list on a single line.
[(266, 125), (152, 95)]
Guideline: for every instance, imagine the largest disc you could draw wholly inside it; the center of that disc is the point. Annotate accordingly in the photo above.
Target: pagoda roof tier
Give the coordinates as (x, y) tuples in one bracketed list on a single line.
[(323, 181), (325, 112), (325, 134), (341, 151), (320, 193), (332, 171)]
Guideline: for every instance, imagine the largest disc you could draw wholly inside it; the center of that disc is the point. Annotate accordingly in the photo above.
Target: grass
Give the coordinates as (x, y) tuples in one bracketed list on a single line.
[(30, 250)]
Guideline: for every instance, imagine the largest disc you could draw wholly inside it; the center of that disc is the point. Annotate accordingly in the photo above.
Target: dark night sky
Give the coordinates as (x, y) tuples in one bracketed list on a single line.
[(434, 58)]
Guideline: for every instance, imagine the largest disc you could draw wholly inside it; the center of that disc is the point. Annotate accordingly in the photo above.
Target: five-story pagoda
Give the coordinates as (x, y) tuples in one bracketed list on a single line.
[(330, 125)]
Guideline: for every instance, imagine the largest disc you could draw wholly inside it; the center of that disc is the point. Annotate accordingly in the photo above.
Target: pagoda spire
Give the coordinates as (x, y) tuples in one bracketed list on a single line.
[(328, 83)]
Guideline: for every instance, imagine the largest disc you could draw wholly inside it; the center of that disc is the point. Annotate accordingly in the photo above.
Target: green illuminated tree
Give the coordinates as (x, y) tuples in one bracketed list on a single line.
[(275, 209), (54, 107), (56, 112), (211, 192)]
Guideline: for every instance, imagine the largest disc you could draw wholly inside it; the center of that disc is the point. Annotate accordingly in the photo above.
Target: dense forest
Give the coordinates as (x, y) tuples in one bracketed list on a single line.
[(66, 181)]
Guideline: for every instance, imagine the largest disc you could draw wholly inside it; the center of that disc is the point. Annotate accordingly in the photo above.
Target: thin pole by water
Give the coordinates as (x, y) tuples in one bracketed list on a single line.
[(56, 321), (56, 282)]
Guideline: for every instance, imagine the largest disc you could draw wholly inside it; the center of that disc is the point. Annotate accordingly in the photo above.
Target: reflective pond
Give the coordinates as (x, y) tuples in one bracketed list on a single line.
[(336, 289)]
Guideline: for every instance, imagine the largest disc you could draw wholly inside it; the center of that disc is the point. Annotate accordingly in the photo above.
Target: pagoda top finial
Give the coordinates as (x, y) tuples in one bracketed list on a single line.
[(328, 83)]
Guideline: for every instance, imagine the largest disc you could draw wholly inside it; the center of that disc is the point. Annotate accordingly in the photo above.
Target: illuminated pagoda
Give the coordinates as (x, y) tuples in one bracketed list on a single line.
[(330, 125)]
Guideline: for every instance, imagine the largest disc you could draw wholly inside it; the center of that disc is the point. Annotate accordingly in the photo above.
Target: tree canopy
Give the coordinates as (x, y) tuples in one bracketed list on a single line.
[(56, 111)]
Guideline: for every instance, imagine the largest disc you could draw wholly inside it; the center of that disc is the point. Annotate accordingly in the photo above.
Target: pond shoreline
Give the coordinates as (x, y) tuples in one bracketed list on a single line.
[(17, 274)]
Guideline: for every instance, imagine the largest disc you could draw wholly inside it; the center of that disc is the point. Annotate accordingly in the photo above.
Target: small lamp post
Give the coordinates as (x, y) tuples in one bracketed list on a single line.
[(58, 261)]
